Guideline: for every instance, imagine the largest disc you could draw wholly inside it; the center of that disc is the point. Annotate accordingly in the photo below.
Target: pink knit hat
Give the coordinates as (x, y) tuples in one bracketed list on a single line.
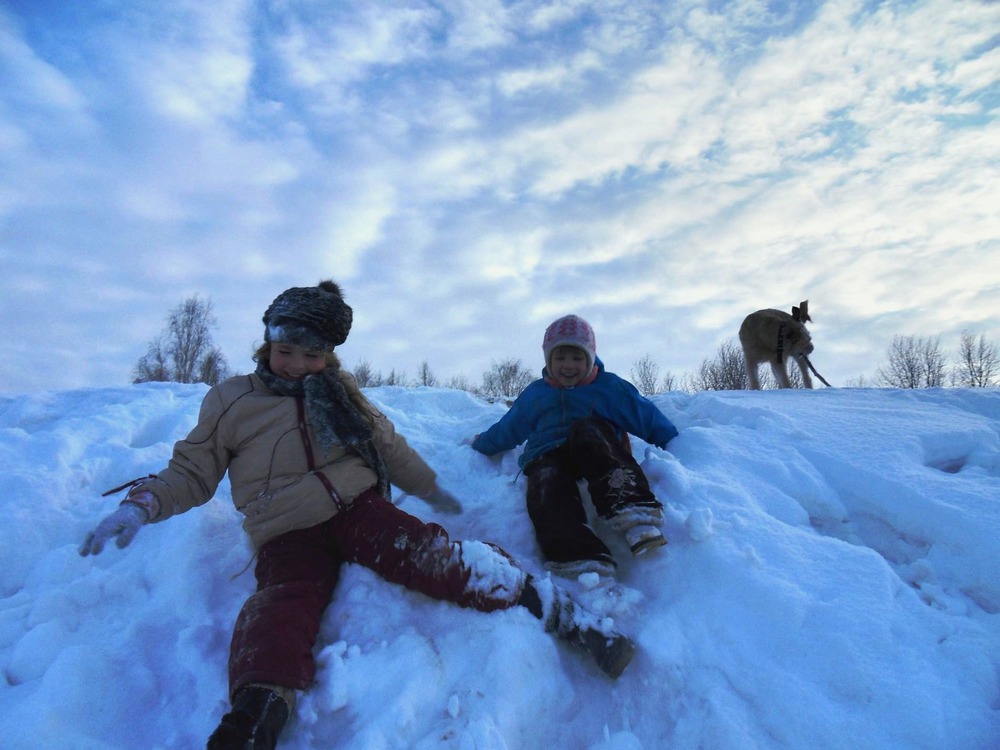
[(570, 330)]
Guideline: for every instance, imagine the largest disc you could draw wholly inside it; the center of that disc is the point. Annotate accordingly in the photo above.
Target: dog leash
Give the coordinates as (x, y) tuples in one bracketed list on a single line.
[(813, 369), (803, 357)]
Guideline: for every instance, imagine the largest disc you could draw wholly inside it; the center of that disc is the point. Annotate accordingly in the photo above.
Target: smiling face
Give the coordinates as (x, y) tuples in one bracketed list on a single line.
[(568, 365), (294, 362)]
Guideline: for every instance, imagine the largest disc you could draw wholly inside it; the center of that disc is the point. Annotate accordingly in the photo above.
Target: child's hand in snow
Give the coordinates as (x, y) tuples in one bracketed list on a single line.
[(443, 501), (124, 523)]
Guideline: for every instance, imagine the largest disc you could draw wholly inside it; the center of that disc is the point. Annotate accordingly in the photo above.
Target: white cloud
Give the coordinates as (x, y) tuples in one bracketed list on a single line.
[(550, 78), (638, 131), (323, 52), (29, 80), (474, 174), (540, 17), (194, 62)]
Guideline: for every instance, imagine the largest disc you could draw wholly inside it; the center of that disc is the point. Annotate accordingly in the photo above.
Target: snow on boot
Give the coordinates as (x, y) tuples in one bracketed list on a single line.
[(254, 723), (571, 623), (576, 568)]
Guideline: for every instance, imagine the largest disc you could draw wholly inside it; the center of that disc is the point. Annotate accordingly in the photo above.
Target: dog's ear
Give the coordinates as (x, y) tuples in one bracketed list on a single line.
[(801, 313)]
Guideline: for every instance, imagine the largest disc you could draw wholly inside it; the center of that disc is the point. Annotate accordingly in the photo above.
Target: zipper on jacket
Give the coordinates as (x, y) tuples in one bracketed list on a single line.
[(300, 408)]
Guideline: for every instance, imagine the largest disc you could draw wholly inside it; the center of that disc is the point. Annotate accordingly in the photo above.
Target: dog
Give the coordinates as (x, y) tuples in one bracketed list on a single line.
[(773, 336)]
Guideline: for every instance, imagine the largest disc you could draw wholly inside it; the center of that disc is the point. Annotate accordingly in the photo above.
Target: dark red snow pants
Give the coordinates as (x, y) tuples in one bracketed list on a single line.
[(296, 573)]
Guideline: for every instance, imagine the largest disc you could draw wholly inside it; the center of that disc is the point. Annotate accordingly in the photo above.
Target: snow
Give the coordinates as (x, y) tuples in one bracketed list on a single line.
[(832, 581)]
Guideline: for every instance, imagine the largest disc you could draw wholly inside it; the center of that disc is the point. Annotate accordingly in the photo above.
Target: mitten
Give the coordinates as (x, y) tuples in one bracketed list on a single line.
[(443, 501), (124, 523)]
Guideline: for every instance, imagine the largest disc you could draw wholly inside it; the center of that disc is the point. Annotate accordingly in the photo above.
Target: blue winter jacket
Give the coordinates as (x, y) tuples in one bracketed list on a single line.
[(543, 412)]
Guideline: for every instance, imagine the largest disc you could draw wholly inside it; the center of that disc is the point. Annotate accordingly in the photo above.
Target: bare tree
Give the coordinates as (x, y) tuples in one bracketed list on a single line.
[(644, 375), (212, 368), (726, 372), (460, 383), (913, 362), (425, 376), (395, 378), (365, 376), (859, 382), (152, 367), (669, 382), (506, 379), (184, 352), (979, 362), (935, 363)]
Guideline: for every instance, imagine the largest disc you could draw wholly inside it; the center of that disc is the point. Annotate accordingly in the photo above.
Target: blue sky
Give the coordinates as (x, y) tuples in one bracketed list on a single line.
[(469, 171)]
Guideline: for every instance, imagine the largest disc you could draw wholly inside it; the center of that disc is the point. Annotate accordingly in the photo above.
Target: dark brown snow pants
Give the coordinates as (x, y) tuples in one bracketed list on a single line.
[(594, 451)]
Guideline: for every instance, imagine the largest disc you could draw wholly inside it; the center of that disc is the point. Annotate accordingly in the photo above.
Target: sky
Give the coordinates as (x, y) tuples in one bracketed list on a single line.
[(830, 589), (469, 171)]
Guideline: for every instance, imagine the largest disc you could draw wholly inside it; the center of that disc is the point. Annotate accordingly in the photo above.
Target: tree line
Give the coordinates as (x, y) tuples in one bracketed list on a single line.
[(911, 362), (184, 353)]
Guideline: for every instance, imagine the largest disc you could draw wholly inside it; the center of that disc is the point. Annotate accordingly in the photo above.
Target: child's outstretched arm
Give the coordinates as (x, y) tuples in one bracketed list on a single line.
[(134, 512), (508, 432), (490, 444), (504, 435), (639, 416), (663, 430)]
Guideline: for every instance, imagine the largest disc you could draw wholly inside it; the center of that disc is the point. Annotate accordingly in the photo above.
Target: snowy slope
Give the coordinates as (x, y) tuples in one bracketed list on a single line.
[(833, 581)]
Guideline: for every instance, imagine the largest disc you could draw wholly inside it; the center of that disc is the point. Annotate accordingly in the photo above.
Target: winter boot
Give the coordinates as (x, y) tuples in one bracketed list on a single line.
[(612, 653), (254, 723), (560, 615), (640, 524), (643, 538)]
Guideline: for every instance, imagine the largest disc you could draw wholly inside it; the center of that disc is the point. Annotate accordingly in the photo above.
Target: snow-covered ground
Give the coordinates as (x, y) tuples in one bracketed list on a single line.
[(832, 581)]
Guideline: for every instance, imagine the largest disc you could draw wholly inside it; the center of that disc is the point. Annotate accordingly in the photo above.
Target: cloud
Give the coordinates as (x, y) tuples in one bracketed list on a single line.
[(472, 172), (324, 50)]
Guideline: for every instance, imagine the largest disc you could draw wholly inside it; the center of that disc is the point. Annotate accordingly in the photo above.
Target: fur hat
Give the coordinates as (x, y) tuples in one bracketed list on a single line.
[(315, 317), (570, 330)]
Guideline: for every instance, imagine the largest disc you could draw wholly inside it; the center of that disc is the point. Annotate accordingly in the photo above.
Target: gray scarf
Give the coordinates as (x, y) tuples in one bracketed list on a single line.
[(335, 418)]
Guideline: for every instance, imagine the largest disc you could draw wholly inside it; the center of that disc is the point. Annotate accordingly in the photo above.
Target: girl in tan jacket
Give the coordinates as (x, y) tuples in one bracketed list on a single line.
[(310, 462)]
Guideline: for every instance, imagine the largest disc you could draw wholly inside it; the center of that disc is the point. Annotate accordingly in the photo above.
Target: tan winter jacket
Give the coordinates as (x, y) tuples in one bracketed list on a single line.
[(264, 441)]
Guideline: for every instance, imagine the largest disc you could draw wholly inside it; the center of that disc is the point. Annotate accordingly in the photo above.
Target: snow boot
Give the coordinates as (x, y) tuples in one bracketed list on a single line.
[(640, 523), (643, 538), (254, 723), (611, 651)]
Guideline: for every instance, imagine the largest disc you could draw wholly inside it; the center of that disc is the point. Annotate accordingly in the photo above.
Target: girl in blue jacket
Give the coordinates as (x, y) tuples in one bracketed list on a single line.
[(575, 422)]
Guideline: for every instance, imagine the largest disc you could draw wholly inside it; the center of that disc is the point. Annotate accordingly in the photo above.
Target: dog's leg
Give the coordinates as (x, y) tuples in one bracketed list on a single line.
[(751, 371), (780, 374), (804, 368)]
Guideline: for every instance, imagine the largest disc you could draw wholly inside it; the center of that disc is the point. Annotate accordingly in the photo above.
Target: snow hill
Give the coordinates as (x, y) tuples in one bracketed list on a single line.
[(832, 581)]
